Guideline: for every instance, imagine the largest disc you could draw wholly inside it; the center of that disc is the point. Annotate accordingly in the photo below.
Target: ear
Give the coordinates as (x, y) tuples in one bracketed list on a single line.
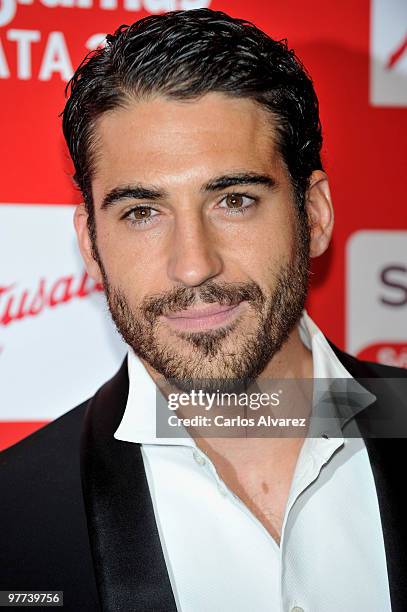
[(85, 244), (320, 213)]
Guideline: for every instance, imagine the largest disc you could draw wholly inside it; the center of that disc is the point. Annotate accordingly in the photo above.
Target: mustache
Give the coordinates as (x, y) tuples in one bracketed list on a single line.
[(180, 298)]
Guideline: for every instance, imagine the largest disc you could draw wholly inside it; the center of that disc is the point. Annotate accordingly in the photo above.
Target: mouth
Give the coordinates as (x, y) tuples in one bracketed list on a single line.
[(211, 316)]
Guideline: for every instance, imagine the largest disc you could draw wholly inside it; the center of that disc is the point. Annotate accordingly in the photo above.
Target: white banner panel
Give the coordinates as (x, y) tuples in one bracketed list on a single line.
[(376, 296), (57, 342), (388, 53)]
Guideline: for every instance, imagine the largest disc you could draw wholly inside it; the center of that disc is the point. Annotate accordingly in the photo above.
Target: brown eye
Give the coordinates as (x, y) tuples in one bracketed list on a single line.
[(237, 203), (143, 212), (234, 200), (141, 215)]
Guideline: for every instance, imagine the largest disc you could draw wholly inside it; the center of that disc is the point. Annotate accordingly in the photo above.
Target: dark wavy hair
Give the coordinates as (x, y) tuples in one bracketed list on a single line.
[(184, 55)]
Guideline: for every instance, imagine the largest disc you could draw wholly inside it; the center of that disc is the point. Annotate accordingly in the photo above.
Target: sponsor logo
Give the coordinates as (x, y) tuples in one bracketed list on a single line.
[(8, 8), (397, 55), (17, 304), (388, 353), (394, 285), (388, 53), (58, 343), (376, 296), (20, 48)]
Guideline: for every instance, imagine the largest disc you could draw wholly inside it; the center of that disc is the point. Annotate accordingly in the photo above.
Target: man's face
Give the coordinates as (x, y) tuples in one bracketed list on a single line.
[(201, 253)]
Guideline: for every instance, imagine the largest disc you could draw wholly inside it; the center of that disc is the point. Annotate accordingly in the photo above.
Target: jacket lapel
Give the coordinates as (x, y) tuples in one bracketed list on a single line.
[(387, 457), (130, 568)]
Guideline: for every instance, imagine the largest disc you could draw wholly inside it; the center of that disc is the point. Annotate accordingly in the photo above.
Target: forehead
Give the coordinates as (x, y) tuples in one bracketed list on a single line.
[(162, 139)]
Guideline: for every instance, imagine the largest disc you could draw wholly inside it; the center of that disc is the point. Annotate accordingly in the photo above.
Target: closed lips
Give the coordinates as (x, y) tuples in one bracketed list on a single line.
[(199, 313)]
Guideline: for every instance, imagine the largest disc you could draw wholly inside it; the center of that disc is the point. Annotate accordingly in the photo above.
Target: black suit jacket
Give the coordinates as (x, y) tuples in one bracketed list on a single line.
[(76, 513)]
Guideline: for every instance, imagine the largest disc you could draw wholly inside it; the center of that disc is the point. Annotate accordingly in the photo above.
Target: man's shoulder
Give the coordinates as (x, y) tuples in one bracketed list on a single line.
[(43, 516), (364, 368), (44, 465), (382, 370), (387, 371)]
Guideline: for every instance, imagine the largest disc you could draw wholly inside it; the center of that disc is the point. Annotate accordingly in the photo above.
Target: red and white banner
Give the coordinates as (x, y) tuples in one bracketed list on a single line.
[(388, 65), (57, 343), (377, 296)]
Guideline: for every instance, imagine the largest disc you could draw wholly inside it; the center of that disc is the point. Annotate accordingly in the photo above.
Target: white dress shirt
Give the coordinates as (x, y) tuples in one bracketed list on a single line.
[(219, 556)]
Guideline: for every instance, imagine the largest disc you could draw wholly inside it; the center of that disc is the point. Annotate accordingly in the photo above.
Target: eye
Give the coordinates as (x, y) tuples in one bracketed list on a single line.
[(140, 215), (237, 203)]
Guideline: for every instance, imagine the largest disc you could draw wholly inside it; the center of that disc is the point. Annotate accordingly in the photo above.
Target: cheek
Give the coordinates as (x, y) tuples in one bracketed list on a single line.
[(268, 244), (128, 268)]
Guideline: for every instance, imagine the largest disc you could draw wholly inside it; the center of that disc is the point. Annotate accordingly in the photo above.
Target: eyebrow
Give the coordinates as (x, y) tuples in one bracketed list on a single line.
[(138, 191)]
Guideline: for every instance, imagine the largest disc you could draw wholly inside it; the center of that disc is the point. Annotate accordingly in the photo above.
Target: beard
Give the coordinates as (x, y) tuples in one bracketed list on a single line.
[(220, 359)]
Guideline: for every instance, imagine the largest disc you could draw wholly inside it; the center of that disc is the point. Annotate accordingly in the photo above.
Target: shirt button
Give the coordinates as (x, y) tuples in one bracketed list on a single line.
[(297, 609), (198, 458)]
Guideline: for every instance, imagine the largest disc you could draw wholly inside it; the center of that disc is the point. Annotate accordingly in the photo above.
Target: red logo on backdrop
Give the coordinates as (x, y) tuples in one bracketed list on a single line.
[(397, 54), (17, 304), (387, 353)]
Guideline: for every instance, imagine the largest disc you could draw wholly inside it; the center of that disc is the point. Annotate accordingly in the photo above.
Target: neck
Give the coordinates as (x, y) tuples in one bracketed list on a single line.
[(294, 360)]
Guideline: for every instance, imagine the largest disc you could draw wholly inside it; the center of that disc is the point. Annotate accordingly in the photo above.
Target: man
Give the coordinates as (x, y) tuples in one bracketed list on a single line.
[(196, 144)]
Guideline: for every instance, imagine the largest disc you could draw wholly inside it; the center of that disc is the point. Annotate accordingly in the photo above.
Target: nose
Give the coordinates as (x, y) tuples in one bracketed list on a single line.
[(193, 256)]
